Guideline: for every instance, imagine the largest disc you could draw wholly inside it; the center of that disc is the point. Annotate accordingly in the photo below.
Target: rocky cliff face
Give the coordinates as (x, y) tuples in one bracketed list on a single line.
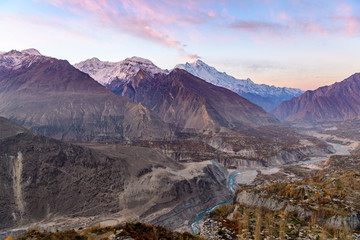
[(46, 180), (43, 178), (337, 102), (351, 221), (256, 200), (296, 155), (53, 98), (210, 190), (344, 222)]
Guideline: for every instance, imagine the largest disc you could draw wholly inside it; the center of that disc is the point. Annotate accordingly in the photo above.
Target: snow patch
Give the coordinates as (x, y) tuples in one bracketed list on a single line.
[(213, 76), (107, 72), (31, 51), (14, 59)]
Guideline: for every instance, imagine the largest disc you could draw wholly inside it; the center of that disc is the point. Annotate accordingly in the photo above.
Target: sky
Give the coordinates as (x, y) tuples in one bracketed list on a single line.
[(294, 43)]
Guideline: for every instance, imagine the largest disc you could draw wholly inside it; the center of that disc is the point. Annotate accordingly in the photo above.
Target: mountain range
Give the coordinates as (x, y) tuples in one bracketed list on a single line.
[(189, 102), (337, 102), (268, 97), (116, 74), (133, 144), (181, 98), (51, 97)]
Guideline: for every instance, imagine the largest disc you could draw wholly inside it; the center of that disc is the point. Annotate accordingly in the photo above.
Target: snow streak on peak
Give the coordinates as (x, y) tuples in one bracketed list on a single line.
[(16, 59), (211, 75), (106, 72), (31, 51)]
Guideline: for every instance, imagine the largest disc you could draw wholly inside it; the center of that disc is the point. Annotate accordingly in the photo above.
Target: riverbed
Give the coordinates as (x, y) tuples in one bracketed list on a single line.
[(251, 172)]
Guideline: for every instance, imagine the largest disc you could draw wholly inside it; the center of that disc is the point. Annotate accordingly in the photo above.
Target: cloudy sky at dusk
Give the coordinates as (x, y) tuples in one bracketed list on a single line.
[(294, 43)]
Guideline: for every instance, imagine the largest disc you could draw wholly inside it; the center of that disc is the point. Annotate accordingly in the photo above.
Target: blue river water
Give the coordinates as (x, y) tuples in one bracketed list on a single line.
[(232, 185)]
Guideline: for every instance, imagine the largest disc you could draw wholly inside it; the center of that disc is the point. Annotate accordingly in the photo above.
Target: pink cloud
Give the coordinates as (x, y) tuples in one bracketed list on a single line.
[(140, 24), (347, 18), (255, 26), (283, 16), (167, 21), (189, 58), (146, 19), (312, 28), (352, 26)]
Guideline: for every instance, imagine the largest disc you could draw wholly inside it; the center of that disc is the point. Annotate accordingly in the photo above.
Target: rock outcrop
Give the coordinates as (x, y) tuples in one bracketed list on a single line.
[(344, 222), (256, 200), (351, 221)]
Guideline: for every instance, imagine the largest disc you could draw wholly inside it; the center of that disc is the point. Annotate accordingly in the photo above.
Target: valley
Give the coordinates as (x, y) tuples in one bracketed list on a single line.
[(164, 148), (179, 120), (302, 196)]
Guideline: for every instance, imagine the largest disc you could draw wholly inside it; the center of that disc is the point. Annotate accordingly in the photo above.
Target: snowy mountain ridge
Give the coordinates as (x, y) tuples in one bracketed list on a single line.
[(268, 97), (17, 59), (211, 75), (106, 72), (115, 74)]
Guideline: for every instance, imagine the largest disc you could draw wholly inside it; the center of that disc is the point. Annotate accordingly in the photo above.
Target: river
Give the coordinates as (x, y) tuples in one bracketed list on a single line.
[(232, 185)]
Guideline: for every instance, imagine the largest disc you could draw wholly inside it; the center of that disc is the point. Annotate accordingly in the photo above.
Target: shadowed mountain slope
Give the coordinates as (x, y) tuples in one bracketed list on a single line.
[(189, 102), (337, 102)]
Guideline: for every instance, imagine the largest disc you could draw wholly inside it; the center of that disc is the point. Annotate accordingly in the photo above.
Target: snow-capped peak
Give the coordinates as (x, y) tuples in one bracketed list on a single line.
[(211, 75), (18, 59), (240, 86), (106, 72), (31, 51), (138, 60)]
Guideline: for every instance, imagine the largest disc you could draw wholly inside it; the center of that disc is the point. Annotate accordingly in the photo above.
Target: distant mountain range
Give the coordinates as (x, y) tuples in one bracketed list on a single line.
[(53, 98), (268, 97), (178, 97), (113, 75), (337, 102)]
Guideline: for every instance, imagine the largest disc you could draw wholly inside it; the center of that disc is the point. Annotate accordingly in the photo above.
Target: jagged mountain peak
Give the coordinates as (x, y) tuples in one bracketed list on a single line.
[(107, 72), (139, 60), (264, 95), (31, 51), (15, 59)]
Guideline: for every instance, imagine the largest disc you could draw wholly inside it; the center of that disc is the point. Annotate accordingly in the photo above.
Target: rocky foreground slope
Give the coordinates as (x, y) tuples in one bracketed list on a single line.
[(316, 200), (44, 180)]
